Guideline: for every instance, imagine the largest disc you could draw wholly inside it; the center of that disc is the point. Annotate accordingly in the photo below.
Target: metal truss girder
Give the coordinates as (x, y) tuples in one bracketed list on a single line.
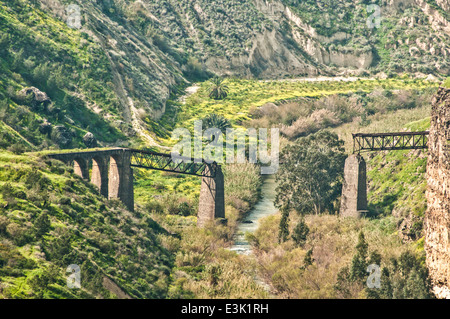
[(390, 141), (165, 162)]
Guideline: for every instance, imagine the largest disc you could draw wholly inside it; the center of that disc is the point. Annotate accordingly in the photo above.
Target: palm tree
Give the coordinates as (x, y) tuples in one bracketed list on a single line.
[(218, 89), (216, 121)]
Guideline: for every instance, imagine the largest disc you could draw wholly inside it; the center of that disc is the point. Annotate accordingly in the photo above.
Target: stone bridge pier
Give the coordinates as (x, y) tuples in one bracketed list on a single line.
[(212, 196), (109, 170), (354, 190)]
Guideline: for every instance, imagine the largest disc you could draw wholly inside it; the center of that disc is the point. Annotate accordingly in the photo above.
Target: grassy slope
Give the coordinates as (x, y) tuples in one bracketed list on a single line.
[(101, 237), (247, 94), (42, 51)]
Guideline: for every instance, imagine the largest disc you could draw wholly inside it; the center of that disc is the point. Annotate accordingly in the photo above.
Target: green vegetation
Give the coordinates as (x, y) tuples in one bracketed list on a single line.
[(403, 277), (204, 267), (310, 257), (215, 121), (125, 68), (41, 51), (218, 89), (447, 83), (173, 258), (246, 96), (50, 219), (310, 179), (403, 42)]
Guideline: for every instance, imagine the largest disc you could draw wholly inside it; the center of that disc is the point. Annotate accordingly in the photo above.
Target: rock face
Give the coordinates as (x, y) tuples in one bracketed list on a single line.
[(62, 136), (437, 219), (45, 128)]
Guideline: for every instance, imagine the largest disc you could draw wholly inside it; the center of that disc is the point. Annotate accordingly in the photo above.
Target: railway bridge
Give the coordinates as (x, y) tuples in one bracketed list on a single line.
[(354, 191), (111, 170)]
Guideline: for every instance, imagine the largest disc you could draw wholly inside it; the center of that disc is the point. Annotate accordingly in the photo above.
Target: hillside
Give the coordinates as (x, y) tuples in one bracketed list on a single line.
[(393, 229), (114, 76), (50, 218)]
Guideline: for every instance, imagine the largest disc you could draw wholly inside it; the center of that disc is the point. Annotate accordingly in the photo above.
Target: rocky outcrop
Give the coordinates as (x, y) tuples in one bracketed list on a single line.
[(89, 140), (62, 136), (437, 219), (312, 42), (36, 96)]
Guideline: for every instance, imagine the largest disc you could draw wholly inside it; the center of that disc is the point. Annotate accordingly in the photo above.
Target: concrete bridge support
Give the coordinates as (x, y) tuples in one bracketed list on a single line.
[(354, 190), (212, 197)]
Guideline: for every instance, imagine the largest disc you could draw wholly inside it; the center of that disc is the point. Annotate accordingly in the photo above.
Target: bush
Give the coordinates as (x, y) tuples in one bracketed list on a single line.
[(19, 234), (42, 224), (300, 233), (17, 148), (447, 83)]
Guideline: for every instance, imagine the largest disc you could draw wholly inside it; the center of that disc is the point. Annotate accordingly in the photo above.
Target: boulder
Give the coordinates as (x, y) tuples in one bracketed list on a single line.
[(45, 128), (37, 97), (89, 140), (62, 136)]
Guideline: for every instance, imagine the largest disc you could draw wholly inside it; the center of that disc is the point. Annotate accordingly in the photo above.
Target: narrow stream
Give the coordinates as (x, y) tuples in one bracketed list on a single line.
[(250, 223)]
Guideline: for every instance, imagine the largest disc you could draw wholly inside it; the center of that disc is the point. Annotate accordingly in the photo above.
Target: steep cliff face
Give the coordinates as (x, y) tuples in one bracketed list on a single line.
[(437, 221)]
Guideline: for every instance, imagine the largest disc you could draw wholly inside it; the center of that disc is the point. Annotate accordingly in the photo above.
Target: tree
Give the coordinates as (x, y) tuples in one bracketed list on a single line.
[(310, 179), (352, 280), (358, 270), (308, 260), (283, 232), (218, 89), (404, 277), (300, 233), (42, 224), (216, 121)]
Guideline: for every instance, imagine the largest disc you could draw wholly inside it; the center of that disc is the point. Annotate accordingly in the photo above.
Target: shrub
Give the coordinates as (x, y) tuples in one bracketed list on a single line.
[(42, 224), (218, 89), (447, 83), (300, 233), (17, 148)]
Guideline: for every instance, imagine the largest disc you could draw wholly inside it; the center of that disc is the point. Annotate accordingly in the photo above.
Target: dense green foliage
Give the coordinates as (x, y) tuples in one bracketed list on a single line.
[(310, 179), (114, 78), (50, 219), (404, 277), (38, 50), (218, 89)]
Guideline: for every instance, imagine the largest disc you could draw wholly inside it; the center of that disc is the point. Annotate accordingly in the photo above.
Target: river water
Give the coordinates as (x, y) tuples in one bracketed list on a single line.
[(250, 223)]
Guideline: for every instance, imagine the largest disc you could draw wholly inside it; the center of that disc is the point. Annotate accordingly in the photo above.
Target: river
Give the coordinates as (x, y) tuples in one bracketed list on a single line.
[(250, 222)]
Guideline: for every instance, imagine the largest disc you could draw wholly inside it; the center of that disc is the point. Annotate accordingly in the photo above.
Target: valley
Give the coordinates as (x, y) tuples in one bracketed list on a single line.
[(135, 72)]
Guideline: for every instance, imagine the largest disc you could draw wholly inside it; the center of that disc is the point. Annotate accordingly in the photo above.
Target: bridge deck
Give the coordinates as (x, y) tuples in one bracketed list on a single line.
[(390, 141)]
